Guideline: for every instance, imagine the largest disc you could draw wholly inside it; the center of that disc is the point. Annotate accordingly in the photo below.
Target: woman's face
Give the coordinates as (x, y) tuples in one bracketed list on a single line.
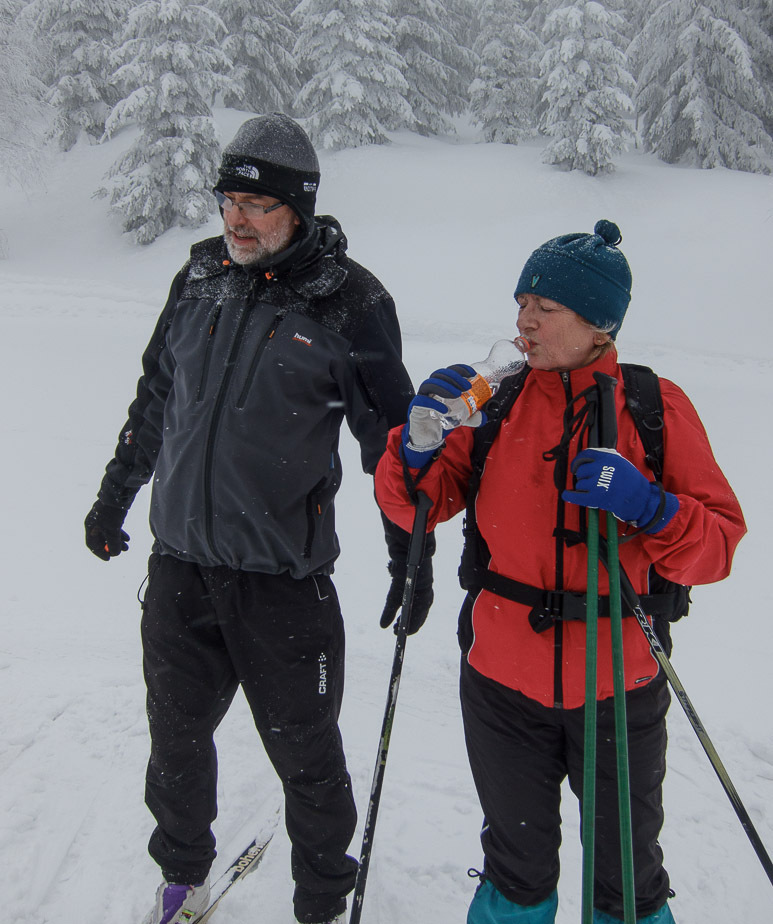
[(559, 339)]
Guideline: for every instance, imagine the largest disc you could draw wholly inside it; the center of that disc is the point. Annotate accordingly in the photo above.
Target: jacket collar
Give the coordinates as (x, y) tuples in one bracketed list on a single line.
[(554, 383), (313, 265)]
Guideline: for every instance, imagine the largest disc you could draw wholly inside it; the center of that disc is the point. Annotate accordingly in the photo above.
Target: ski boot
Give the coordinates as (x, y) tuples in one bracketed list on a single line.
[(489, 906), (178, 904), (661, 916)]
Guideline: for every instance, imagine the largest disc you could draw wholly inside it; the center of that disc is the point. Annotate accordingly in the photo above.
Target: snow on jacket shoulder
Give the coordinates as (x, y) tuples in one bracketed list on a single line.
[(516, 512), (246, 381)]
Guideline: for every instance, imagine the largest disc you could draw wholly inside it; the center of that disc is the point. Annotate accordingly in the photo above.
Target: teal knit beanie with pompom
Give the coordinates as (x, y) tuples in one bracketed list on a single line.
[(585, 272)]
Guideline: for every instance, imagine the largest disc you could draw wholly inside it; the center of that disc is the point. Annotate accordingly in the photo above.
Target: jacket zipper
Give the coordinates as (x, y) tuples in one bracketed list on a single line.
[(209, 520), (558, 644), (208, 351), (256, 359)]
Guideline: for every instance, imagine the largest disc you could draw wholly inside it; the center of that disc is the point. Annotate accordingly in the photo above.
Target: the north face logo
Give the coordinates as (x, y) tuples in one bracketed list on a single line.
[(247, 170)]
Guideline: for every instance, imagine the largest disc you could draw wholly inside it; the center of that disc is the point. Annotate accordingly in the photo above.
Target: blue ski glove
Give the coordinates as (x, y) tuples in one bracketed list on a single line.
[(604, 479), (423, 434)]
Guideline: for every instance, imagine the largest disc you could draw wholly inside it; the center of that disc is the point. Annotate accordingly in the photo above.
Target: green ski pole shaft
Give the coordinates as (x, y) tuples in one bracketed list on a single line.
[(621, 724), (589, 754), (605, 435), (603, 432)]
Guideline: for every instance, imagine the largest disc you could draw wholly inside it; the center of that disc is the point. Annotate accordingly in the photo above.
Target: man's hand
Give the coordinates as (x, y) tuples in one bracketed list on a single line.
[(104, 536)]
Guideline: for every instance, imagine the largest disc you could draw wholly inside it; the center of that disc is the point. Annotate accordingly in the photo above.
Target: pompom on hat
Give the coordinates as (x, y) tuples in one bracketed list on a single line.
[(272, 155), (585, 272)]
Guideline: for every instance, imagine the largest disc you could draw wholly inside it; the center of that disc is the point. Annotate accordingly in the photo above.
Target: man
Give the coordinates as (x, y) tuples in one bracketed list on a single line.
[(270, 337)]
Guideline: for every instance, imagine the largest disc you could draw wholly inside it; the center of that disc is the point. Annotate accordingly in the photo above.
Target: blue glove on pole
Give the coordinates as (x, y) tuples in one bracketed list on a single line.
[(607, 481), (423, 434)]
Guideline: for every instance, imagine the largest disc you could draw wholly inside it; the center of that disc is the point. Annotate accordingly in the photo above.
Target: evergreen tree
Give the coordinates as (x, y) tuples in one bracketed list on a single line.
[(502, 95), (356, 89), (703, 94), (79, 35), (24, 113), (762, 11), (586, 87), (431, 54), (259, 43), (170, 72)]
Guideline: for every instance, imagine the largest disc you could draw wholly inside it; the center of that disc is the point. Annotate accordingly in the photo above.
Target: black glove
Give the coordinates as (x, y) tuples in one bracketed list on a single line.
[(397, 542), (104, 536)]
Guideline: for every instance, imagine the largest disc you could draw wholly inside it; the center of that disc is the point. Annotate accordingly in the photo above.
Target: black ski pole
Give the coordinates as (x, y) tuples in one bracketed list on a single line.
[(632, 599), (415, 554)]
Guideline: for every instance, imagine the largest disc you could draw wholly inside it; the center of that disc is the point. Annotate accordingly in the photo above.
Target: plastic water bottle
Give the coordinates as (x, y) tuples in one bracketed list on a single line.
[(505, 358)]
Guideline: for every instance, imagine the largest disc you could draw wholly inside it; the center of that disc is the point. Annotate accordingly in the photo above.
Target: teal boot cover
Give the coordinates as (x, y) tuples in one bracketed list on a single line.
[(661, 916), (489, 906)]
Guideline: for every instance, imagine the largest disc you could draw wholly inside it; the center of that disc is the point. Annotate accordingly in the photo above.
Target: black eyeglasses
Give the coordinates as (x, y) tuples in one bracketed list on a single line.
[(250, 210)]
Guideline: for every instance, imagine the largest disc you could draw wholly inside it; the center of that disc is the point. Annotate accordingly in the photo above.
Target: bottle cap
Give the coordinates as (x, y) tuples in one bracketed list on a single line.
[(523, 344)]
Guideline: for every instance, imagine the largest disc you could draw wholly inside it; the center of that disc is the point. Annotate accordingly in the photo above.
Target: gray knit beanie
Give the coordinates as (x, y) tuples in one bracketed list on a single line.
[(272, 155)]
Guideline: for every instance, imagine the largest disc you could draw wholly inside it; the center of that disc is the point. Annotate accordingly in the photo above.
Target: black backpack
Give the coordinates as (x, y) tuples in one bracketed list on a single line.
[(666, 602)]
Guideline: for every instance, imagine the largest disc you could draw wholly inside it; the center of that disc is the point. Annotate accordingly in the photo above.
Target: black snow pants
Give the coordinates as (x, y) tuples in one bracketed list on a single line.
[(205, 631), (521, 751)]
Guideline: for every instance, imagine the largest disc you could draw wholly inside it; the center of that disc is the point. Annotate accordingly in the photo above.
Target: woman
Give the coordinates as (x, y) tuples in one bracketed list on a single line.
[(522, 684)]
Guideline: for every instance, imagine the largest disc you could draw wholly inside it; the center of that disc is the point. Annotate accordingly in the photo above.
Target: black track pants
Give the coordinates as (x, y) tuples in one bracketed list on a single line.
[(205, 631), (521, 751)]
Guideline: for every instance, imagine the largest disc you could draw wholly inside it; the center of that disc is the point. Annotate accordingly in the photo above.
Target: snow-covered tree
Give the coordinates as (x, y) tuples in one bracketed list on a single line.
[(703, 95), (586, 87), (463, 23), (79, 35), (356, 89), (431, 54), (23, 113), (762, 13), (170, 71), (502, 95), (259, 43)]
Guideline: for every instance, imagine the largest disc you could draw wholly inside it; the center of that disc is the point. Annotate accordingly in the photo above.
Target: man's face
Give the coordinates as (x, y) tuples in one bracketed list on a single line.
[(252, 235)]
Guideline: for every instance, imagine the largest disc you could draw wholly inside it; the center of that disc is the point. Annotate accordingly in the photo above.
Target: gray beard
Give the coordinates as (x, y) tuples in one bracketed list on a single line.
[(266, 246)]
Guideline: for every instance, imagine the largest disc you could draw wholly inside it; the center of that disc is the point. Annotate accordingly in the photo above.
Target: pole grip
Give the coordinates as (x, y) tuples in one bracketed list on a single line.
[(605, 435)]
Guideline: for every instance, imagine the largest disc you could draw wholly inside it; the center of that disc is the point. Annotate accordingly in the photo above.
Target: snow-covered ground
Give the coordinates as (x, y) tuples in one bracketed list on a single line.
[(447, 225)]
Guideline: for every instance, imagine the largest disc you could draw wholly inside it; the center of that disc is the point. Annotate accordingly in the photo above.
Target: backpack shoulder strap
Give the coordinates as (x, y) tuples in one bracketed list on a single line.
[(644, 401), (496, 409)]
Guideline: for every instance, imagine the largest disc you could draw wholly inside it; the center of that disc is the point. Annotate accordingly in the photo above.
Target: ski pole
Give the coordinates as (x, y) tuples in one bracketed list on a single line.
[(607, 417), (415, 554), (603, 433), (632, 600), (591, 692), (621, 725)]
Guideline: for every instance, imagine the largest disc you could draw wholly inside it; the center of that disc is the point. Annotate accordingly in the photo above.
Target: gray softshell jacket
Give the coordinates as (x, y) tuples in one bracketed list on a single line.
[(246, 381)]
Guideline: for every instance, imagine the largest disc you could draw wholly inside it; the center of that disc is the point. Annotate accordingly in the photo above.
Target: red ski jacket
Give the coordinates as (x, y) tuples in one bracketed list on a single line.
[(516, 512)]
